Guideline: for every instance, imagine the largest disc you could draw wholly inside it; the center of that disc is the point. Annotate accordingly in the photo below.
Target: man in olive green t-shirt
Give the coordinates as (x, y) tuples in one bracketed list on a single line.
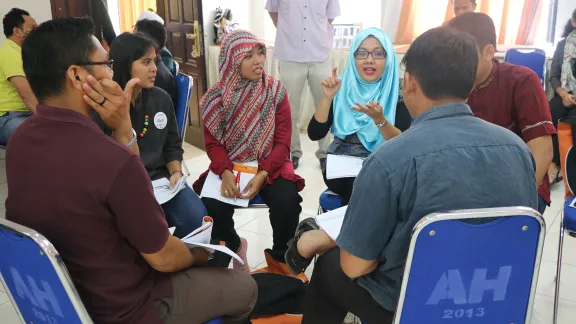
[(17, 101)]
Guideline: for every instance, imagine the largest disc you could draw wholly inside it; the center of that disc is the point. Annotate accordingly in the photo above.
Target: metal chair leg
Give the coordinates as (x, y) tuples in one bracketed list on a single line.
[(558, 269)]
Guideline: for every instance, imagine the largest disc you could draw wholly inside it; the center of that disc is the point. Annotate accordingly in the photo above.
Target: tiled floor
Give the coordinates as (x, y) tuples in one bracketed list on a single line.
[(254, 225)]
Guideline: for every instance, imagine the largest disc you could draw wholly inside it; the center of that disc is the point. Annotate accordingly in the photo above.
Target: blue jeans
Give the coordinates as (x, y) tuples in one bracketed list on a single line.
[(9, 122), (185, 211), (542, 204)]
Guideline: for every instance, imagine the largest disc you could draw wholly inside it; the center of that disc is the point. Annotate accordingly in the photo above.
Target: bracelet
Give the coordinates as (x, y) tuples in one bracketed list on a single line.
[(382, 124), (134, 138), (264, 173)]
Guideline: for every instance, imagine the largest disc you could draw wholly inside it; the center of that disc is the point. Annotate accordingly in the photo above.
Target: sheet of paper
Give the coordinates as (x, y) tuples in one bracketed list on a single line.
[(572, 204), (162, 190), (202, 234), (331, 222), (172, 230), (213, 183), (330, 193), (342, 166)]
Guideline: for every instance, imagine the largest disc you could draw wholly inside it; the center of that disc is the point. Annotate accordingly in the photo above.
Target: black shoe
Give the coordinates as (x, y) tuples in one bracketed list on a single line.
[(295, 162), (296, 262)]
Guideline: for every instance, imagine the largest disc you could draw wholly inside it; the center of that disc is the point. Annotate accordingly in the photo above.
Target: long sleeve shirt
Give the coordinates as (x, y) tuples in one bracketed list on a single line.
[(277, 163)]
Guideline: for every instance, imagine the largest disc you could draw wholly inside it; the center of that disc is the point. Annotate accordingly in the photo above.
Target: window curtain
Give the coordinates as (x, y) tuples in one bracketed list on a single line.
[(130, 10), (516, 21)]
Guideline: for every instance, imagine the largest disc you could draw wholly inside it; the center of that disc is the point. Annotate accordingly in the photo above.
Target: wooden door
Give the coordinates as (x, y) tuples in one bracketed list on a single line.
[(79, 8), (186, 42), (70, 8)]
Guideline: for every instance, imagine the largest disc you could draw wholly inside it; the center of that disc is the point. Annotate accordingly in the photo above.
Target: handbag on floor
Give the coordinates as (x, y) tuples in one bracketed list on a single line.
[(280, 299), (566, 140), (281, 295)]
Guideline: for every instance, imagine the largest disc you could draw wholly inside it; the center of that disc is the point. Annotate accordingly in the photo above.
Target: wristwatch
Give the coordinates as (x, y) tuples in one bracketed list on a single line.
[(382, 124), (134, 138)]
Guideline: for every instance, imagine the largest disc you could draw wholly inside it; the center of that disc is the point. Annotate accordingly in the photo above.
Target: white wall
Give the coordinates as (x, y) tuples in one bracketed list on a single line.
[(114, 13), (38, 9), (565, 10), (241, 10), (390, 16), (366, 12)]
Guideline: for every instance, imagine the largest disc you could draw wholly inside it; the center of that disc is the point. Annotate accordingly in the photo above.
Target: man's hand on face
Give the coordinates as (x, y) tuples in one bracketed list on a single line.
[(112, 103)]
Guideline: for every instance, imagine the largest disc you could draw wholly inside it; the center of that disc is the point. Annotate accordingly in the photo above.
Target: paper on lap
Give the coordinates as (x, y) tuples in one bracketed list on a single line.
[(213, 183), (343, 166), (331, 222), (162, 190), (201, 237)]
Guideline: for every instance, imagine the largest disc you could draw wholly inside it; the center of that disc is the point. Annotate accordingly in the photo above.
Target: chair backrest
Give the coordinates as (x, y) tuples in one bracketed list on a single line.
[(472, 266), (532, 58), (256, 202), (175, 68), (184, 84), (36, 278)]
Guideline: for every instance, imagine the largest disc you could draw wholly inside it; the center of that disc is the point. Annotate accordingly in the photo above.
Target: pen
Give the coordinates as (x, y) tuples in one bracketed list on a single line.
[(237, 184)]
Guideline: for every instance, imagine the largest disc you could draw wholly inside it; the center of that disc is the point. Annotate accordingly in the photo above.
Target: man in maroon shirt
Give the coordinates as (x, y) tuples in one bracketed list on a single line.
[(510, 96), (90, 195)]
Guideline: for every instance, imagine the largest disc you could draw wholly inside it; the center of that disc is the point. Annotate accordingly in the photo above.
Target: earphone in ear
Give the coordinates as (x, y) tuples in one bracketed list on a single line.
[(77, 78)]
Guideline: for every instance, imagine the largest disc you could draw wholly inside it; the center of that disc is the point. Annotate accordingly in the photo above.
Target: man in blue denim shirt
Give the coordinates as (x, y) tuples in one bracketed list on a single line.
[(447, 160)]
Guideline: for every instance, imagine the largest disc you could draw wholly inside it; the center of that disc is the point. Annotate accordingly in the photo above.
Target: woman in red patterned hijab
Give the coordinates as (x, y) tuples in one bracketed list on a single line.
[(247, 118)]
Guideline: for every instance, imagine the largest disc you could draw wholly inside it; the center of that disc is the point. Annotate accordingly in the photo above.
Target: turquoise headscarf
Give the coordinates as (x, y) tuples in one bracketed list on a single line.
[(355, 89)]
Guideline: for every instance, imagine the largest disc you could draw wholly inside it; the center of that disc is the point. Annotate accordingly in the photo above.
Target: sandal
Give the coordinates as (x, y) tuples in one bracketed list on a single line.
[(296, 262)]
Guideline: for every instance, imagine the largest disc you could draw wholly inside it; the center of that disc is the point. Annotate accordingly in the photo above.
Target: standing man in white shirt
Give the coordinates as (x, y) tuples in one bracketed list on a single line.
[(303, 44)]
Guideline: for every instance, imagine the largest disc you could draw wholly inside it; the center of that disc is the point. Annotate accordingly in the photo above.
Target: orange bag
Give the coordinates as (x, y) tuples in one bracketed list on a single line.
[(281, 269), (566, 140)]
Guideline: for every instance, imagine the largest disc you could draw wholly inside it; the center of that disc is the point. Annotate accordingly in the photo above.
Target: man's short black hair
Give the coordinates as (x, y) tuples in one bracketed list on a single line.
[(14, 18), (154, 30), (51, 49), (477, 24), (444, 61)]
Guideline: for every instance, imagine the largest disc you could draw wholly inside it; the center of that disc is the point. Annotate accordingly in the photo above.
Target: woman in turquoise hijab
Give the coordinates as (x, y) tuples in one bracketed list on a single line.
[(359, 107)]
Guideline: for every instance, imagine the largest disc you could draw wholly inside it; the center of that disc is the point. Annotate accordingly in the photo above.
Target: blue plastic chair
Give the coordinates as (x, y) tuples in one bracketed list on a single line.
[(184, 85), (175, 68), (329, 201), (567, 225), (37, 280), (257, 202), (532, 58), (472, 266)]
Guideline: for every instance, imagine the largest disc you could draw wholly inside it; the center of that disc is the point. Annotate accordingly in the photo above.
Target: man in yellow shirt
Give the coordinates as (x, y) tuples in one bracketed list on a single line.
[(17, 101)]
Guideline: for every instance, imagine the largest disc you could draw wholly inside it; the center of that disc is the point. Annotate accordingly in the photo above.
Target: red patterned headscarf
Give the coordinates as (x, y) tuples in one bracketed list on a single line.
[(240, 113)]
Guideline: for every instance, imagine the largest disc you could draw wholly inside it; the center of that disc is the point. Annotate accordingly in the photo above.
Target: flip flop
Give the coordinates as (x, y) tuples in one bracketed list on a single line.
[(296, 262)]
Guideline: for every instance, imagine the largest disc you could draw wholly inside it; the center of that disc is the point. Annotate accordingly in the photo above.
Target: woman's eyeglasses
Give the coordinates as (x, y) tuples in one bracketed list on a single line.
[(362, 55), (109, 63)]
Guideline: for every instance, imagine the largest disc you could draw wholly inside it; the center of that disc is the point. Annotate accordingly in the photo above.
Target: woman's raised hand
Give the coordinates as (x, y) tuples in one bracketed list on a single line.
[(373, 109), (331, 84)]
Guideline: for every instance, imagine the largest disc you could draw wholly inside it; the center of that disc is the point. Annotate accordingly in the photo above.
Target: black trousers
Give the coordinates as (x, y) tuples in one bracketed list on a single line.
[(342, 187), (331, 295), (558, 111), (281, 197)]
